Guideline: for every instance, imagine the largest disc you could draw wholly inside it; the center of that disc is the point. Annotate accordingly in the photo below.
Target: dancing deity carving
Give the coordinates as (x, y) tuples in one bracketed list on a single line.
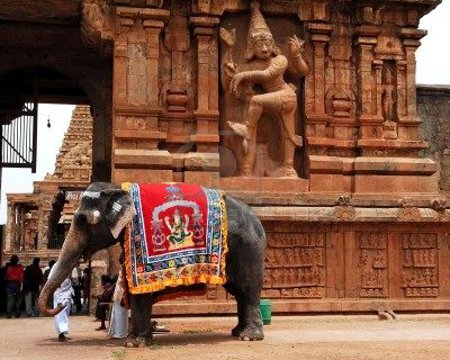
[(260, 84)]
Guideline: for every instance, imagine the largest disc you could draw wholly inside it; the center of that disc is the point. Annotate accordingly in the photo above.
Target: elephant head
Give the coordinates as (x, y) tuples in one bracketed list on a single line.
[(104, 211)]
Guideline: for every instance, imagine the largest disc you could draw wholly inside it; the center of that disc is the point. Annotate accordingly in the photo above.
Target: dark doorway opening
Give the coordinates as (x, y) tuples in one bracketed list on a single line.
[(20, 93)]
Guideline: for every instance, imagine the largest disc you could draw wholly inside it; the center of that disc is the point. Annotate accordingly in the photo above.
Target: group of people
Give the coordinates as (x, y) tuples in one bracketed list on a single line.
[(19, 285)]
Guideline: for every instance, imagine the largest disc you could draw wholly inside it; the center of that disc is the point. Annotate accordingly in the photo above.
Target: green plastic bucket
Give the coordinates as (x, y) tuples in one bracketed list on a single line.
[(266, 313)]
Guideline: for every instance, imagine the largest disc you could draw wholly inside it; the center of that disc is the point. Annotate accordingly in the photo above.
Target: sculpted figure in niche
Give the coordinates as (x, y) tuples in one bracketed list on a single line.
[(261, 85), (388, 98)]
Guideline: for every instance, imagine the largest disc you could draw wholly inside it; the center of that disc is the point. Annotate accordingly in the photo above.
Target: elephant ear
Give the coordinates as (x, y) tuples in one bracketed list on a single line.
[(119, 211)]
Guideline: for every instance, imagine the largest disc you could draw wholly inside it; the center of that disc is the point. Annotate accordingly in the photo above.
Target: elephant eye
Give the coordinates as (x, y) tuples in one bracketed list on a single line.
[(80, 219)]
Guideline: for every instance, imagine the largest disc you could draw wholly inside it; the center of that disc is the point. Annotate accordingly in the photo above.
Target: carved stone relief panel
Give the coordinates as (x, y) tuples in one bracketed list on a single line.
[(263, 141), (373, 264), (420, 265), (295, 265)]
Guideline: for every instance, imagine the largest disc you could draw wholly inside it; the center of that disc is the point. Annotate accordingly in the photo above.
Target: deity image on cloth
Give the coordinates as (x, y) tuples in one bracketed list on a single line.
[(180, 236)]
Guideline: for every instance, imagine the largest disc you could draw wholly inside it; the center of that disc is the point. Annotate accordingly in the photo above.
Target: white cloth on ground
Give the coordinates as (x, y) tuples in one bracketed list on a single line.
[(118, 325)]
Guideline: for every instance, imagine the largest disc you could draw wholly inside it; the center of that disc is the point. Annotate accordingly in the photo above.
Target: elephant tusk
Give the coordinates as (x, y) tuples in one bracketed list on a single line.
[(94, 217)]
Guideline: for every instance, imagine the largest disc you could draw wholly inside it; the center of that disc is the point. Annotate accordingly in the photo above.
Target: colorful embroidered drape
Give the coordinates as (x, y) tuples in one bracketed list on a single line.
[(178, 237)]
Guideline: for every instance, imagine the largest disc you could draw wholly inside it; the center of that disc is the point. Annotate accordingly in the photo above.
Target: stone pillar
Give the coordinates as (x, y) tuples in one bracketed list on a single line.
[(339, 90), (378, 67), (315, 86), (369, 119), (45, 209), (203, 166), (325, 171), (408, 129), (10, 227), (136, 108), (177, 40), (401, 88)]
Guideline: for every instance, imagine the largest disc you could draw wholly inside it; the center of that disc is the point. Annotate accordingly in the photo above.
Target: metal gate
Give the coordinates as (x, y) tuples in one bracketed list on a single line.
[(19, 138)]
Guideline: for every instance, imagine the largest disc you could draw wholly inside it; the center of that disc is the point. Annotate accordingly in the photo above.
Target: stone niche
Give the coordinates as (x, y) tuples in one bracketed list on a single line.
[(269, 127)]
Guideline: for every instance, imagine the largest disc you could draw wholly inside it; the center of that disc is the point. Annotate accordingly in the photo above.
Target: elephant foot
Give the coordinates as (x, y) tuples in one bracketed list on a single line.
[(251, 333), (236, 331), (137, 341)]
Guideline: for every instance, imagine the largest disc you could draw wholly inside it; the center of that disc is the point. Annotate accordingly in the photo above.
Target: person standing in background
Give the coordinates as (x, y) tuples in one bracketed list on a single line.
[(77, 287), (14, 286), (48, 269), (104, 300), (33, 280), (85, 287)]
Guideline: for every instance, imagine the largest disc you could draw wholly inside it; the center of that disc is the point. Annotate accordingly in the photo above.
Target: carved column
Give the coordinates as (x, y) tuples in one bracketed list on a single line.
[(136, 84), (206, 136), (316, 115), (370, 121), (378, 67), (45, 209), (340, 93), (206, 113), (409, 122), (401, 89), (11, 227), (178, 42)]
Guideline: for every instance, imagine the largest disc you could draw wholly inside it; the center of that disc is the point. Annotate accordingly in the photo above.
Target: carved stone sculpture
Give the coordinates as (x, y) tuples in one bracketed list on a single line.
[(96, 24), (388, 97), (260, 84)]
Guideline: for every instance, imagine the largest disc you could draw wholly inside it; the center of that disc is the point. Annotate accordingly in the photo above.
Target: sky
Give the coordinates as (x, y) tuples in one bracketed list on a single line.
[(49, 143), (433, 56), (433, 62)]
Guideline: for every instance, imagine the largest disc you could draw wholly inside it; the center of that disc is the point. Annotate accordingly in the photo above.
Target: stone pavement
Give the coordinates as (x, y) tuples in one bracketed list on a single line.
[(313, 337)]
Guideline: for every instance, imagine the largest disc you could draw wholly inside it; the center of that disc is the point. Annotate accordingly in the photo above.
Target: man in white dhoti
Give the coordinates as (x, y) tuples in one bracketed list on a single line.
[(62, 295), (118, 327)]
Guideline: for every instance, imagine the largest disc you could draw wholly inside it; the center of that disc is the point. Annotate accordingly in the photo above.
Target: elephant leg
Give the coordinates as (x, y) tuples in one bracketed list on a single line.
[(250, 325), (253, 325), (141, 331), (241, 323), (245, 269)]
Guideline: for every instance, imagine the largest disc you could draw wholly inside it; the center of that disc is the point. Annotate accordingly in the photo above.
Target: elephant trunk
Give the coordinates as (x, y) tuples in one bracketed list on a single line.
[(71, 251)]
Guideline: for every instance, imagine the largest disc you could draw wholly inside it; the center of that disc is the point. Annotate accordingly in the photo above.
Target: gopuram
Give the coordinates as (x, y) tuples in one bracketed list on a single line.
[(307, 110), (31, 230)]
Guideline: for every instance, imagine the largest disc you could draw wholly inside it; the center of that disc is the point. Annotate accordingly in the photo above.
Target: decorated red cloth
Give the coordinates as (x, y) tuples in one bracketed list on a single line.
[(178, 237)]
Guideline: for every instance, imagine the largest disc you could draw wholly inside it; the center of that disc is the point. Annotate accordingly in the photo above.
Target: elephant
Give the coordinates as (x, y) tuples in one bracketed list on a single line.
[(97, 224)]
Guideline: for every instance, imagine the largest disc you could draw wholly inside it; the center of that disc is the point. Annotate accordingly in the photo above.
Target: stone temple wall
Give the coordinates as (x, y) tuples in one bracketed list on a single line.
[(434, 109), (334, 163)]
